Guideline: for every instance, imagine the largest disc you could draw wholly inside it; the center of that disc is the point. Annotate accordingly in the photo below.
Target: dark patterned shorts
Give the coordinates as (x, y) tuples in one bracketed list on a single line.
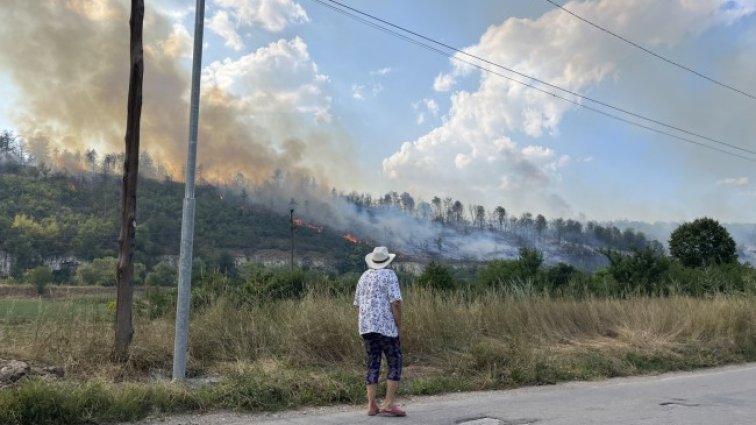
[(377, 345)]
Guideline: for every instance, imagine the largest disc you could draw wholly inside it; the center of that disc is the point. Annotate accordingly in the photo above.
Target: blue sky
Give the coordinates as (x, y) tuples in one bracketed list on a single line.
[(293, 85)]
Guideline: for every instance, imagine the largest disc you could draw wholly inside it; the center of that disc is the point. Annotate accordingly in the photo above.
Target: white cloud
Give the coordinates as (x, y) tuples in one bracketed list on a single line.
[(537, 152), (358, 92), (443, 82), (734, 181), (381, 72), (432, 106), (272, 15), (233, 15), (424, 108), (280, 77), (474, 153), (361, 91), (175, 10), (221, 24)]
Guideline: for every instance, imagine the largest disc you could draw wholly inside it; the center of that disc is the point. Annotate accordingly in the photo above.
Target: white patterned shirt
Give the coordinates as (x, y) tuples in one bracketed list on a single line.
[(376, 290)]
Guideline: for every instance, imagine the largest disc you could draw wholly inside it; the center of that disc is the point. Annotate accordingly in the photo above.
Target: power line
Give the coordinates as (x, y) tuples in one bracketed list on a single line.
[(532, 86), (651, 52)]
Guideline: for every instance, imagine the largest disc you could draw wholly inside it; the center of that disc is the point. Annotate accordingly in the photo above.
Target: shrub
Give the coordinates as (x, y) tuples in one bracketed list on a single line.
[(104, 272), (39, 277), (715, 279), (342, 284), (436, 276), (163, 274), (498, 273), (641, 271), (157, 302), (506, 272), (101, 271), (255, 284), (560, 274), (208, 288)]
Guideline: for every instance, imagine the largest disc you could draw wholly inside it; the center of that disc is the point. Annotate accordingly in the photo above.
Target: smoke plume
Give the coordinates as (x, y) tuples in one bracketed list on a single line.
[(68, 61)]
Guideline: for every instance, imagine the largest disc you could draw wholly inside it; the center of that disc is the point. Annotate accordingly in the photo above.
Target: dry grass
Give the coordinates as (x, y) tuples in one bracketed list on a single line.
[(310, 346), (442, 331), (290, 353)]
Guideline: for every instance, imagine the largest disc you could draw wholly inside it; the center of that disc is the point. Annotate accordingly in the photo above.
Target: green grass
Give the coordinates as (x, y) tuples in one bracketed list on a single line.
[(15, 311), (38, 403)]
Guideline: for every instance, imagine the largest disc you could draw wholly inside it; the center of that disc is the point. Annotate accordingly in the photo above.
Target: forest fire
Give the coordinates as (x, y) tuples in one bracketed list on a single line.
[(351, 238), (315, 227), (301, 223)]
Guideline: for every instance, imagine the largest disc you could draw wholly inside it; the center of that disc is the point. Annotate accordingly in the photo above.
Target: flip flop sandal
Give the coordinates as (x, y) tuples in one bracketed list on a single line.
[(394, 411)]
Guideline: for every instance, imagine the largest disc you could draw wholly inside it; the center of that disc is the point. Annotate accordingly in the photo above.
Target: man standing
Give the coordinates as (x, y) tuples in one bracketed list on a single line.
[(380, 322)]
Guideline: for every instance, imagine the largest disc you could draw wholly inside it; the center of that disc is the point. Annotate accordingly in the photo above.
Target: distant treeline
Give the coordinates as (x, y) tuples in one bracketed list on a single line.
[(530, 228)]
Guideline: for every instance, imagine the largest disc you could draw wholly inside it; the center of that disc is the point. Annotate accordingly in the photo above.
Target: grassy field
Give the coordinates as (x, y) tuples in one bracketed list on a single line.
[(289, 353), (16, 311)]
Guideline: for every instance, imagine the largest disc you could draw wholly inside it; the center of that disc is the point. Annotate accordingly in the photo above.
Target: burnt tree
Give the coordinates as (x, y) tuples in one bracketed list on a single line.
[(124, 303)]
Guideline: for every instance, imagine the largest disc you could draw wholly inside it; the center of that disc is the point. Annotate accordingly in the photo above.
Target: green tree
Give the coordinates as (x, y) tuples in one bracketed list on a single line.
[(436, 276), (39, 277), (92, 159), (529, 262), (480, 216), (702, 243), (501, 216), (540, 224)]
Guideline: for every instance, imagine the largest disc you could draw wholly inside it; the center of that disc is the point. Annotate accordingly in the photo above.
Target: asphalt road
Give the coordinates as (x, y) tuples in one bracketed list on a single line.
[(713, 396)]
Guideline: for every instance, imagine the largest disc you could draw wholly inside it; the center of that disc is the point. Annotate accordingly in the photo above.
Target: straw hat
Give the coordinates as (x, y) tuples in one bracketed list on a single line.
[(379, 258)]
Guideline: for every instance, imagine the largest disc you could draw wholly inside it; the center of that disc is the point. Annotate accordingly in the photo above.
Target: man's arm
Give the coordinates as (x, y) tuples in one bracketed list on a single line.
[(396, 309)]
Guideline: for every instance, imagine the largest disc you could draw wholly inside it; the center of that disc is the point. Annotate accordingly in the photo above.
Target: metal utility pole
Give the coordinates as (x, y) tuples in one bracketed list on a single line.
[(187, 219), (126, 241), (291, 225)]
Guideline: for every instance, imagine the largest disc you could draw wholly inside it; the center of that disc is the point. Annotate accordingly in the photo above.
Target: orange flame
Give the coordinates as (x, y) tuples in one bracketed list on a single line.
[(316, 228), (351, 238), (298, 222)]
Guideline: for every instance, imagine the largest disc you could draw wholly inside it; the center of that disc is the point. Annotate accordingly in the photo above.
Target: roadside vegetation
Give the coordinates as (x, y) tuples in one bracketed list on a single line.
[(272, 340)]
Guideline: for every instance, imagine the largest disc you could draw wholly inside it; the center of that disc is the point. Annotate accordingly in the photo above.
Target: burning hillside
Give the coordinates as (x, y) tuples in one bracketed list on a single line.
[(351, 238)]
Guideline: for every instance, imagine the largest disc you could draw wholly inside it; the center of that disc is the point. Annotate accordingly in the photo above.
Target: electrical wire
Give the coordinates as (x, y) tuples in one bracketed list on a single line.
[(348, 13), (651, 52)]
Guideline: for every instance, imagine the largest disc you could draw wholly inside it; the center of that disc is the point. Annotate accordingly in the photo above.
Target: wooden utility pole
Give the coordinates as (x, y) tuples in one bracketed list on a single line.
[(126, 240)]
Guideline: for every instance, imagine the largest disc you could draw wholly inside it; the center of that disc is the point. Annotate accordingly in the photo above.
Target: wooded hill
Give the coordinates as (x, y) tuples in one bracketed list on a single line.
[(51, 217), (46, 216)]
